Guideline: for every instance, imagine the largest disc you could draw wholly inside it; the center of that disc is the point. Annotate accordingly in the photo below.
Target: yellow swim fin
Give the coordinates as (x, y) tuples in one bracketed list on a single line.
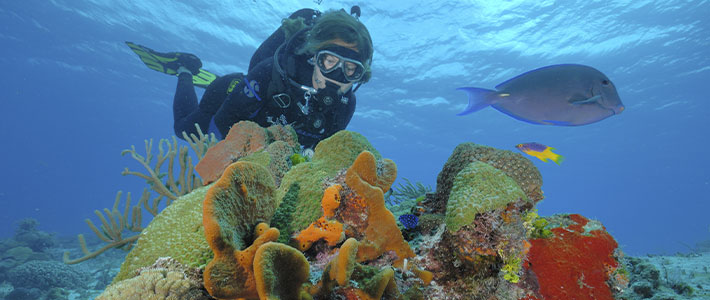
[(170, 62)]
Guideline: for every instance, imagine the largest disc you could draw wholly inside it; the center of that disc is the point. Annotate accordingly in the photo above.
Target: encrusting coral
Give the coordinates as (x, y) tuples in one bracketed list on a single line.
[(579, 261), (240, 199)]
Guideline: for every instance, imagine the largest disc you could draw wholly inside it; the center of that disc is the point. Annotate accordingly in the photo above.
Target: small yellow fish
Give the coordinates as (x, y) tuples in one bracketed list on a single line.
[(540, 151)]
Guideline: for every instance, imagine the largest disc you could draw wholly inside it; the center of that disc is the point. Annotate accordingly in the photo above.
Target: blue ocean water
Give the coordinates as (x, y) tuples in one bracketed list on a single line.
[(72, 96)]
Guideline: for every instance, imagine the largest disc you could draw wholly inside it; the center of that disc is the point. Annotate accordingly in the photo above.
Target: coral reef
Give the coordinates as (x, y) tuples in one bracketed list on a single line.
[(243, 138), (331, 156), (274, 225), (176, 232), (276, 158), (166, 279), (27, 234), (512, 164), (479, 188)]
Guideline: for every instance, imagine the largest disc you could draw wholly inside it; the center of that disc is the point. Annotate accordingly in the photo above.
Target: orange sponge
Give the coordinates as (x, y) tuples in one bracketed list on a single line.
[(381, 233)]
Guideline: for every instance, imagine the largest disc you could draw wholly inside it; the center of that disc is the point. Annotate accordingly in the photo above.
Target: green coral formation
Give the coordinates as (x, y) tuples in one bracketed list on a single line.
[(297, 158), (514, 165), (284, 214), (176, 232), (536, 226), (479, 188), (274, 158), (511, 268), (331, 155)]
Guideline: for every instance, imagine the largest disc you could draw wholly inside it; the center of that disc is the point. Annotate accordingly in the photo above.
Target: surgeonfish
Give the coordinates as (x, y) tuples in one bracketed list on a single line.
[(562, 95), (540, 151)]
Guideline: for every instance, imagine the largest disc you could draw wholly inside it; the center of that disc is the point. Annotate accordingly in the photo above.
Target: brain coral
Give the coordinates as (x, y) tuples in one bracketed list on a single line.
[(478, 188), (331, 155), (512, 164), (176, 232), (45, 275), (166, 279)]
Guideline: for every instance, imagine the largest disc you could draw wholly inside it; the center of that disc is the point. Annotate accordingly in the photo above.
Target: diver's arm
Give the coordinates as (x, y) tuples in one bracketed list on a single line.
[(237, 106)]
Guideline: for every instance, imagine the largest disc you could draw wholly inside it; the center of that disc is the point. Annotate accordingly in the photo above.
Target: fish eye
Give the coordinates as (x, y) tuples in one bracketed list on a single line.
[(605, 82)]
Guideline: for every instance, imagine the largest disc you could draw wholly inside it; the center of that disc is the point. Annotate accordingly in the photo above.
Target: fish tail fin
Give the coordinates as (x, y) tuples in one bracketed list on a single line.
[(558, 159), (478, 99)]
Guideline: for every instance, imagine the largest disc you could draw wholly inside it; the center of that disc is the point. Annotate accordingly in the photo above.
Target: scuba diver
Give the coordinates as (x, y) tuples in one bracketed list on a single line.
[(304, 75)]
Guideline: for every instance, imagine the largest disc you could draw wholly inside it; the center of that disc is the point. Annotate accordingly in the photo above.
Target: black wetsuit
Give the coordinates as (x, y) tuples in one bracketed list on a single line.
[(229, 99)]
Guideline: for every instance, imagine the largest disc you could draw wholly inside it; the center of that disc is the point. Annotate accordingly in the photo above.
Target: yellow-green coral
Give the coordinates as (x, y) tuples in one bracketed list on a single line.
[(331, 155), (511, 269), (176, 232), (479, 188), (536, 226)]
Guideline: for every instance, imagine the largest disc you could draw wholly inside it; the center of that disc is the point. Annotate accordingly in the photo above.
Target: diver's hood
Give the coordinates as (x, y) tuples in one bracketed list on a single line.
[(294, 68)]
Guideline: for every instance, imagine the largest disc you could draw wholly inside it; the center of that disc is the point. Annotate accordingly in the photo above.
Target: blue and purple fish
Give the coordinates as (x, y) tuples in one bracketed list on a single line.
[(562, 95), (409, 221)]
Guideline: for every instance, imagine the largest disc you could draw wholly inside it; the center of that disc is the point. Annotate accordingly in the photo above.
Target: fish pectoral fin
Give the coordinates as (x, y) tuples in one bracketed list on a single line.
[(593, 99)]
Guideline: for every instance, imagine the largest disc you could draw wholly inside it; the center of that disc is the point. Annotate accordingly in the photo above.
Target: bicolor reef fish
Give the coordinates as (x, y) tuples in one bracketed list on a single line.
[(540, 151)]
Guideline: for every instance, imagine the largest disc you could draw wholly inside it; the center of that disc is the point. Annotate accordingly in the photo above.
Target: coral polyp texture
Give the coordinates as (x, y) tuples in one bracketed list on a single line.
[(165, 279), (176, 232), (512, 164), (479, 188)]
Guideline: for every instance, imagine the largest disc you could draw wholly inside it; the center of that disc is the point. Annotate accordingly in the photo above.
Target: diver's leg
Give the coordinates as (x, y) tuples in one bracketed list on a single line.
[(186, 111)]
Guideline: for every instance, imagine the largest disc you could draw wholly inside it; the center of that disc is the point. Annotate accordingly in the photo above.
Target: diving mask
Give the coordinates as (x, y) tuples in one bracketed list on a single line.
[(328, 61)]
